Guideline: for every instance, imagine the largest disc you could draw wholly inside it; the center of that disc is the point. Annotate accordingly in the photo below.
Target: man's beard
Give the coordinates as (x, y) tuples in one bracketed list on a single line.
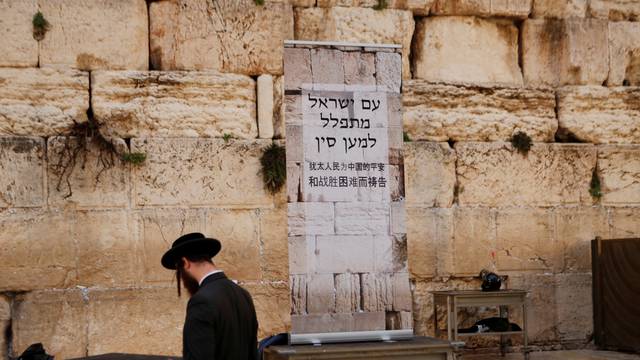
[(190, 283)]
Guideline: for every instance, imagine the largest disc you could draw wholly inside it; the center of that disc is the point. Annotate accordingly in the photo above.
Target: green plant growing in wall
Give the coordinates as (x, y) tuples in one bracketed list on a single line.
[(40, 26), (521, 142), (594, 187), (406, 137), (274, 167), (135, 158), (381, 5), (226, 137), (259, 2)]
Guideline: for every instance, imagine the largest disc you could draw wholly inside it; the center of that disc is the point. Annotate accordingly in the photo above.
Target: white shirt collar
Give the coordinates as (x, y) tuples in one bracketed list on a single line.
[(207, 275)]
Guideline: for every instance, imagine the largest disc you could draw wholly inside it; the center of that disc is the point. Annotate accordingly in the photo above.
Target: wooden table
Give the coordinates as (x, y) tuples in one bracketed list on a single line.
[(418, 348), (454, 299)]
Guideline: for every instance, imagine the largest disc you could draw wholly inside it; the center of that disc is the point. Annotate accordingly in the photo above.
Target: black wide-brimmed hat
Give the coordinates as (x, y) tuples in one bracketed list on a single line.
[(190, 244)]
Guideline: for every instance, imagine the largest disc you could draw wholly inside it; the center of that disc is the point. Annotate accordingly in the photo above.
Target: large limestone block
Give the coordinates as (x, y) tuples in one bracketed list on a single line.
[(565, 52), (89, 175), (619, 171), (624, 223), (42, 102), (495, 174), (487, 8), (474, 243), (200, 172), (429, 174), (37, 251), (437, 112), (57, 319), (135, 321), (275, 244), (419, 7), (575, 228), (559, 9), (624, 53), (95, 34), (574, 306), (458, 49), (174, 104), (228, 35), (21, 172), (615, 10), (273, 306), (19, 48), (341, 322), (534, 249), (429, 240), (599, 114), (542, 307), (355, 25)]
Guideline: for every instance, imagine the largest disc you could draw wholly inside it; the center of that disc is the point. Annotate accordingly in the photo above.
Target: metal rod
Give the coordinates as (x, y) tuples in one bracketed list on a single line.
[(352, 336)]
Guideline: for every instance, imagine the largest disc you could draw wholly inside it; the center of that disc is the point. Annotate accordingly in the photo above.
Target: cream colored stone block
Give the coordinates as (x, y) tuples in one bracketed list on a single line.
[(474, 242), (565, 52), (108, 254), (265, 106), (599, 114), (487, 8), (95, 34), (574, 306), (456, 49), (615, 10), (357, 321), (297, 68), (37, 251), (495, 174), (624, 223), (22, 172), (360, 68), (159, 228), (347, 293), (229, 36), (401, 292), (200, 172), (354, 25), (55, 318), (279, 121), (537, 248), (174, 104), (429, 174), (42, 102), (542, 306), (377, 292), (575, 228), (429, 239), (624, 53), (273, 305), (311, 219), (238, 231), (619, 171), (135, 321), (437, 112), (275, 245), (293, 181), (362, 218), (298, 284), (559, 9), (19, 48), (344, 253), (87, 175)]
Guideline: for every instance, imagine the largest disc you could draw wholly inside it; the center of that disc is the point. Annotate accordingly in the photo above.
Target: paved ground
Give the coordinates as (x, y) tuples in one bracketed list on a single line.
[(558, 355)]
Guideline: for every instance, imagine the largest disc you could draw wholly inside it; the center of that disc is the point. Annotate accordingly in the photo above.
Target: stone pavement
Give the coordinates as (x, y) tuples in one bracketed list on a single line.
[(558, 355)]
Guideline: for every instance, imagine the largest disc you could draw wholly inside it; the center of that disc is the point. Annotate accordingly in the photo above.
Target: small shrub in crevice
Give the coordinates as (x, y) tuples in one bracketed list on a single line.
[(259, 2), (226, 137), (406, 137), (135, 158), (594, 187), (381, 5), (521, 142), (40, 26), (274, 167)]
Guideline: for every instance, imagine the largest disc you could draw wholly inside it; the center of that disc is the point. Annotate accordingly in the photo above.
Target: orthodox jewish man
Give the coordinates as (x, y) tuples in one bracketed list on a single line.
[(221, 320)]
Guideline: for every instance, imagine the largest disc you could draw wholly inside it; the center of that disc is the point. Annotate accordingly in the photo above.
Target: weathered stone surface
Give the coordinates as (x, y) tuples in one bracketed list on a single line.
[(279, 120), (624, 223), (615, 10), (377, 292), (230, 36), (358, 321), (354, 25), (437, 112), (599, 114), (57, 319), (429, 173), (265, 106), (361, 218), (293, 181), (174, 104), (534, 249), (542, 308), (123, 321), (559, 9), (565, 52), (21, 172), (347, 292), (624, 53), (574, 306), (504, 8), (495, 174), (619, 171), (311, 218), (401, 292), (5, 322), (273, 305), (398, 218), (360, 68), (158, 229), (344, 253), (298, 294), (42, 102), (429, 239), (87, 175), (575, 228), (98, 34), (273, 238), (37, 251), (19, 48), (301, 254), (388, 71), (107, 256), (457, 49), (419, 7), (327, 67), (297, 68), (199, 172), (238, 231), (474, 243)]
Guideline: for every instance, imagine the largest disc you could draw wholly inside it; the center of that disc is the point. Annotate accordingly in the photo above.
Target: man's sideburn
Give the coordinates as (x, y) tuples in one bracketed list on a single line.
[(190, 283)]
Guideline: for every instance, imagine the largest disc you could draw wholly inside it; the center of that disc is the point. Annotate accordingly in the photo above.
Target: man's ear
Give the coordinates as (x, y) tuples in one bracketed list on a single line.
[(186, 264)]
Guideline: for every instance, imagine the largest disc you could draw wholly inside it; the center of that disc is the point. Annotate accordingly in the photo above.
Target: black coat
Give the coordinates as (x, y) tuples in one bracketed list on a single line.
[(221, 322)]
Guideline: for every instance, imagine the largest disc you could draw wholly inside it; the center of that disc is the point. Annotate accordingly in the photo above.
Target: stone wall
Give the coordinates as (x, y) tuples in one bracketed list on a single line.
[(197, 86)]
